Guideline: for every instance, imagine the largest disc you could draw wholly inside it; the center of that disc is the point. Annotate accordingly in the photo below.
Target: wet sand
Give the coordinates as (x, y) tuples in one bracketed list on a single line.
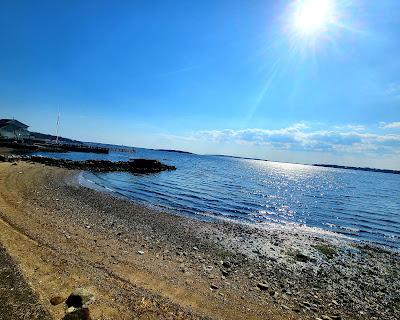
[(144, 264)]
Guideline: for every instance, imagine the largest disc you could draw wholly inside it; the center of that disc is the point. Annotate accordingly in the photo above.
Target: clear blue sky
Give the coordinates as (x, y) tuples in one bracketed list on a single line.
[(233, 77)]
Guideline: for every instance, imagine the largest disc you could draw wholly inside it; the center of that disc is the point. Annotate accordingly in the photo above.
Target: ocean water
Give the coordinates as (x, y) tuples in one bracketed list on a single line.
[(362, 205)]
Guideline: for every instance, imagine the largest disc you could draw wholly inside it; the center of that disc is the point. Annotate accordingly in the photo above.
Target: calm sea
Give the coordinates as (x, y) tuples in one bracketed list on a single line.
[(362, 205)]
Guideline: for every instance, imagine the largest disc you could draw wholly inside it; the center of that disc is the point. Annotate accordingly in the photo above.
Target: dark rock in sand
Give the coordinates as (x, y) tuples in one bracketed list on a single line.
[(56, 300), (301, 257), (225, 273), (80, 314), (214, 286), (79, 298), (262, 286)]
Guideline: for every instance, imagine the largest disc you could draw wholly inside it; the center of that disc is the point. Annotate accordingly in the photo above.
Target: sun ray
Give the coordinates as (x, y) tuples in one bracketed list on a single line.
[(313, 17)]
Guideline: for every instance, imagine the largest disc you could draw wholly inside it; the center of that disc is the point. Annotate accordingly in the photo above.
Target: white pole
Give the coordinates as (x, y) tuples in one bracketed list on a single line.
[(58, 125)]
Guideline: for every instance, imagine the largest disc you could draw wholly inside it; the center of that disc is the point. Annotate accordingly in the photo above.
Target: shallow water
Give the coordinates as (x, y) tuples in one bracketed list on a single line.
[(359, 204)]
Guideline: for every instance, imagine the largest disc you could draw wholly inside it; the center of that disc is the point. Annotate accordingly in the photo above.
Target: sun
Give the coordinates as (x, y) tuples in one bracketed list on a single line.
[(313, 17)]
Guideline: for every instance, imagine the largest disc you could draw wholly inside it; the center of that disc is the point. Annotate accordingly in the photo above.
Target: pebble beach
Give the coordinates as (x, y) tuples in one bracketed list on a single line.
[(140, 263)]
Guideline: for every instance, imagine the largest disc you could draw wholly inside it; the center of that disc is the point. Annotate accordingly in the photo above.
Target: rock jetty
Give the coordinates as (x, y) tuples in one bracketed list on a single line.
[(34, 146), (137, 166)]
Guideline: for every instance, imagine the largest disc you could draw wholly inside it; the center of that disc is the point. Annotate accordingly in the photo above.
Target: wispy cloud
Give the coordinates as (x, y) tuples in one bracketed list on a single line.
[(390, 125), (355, 127), (393, 90), (299, 137)]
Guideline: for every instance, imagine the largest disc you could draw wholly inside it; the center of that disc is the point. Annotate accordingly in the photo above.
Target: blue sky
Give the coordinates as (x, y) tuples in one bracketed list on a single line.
[(230, 77)]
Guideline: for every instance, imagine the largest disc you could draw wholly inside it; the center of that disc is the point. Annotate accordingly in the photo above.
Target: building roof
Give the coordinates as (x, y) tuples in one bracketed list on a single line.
[(6, 122)]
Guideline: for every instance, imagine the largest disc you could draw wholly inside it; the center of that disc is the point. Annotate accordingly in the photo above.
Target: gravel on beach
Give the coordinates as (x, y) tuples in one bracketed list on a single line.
[(145, 264)]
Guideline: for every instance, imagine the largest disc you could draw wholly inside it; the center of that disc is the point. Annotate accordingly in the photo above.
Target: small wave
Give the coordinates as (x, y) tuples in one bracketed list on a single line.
[(223, 188)]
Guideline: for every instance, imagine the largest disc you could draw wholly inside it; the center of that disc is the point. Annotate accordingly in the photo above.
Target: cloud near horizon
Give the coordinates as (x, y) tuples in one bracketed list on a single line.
[(300, 137), (390, 125)]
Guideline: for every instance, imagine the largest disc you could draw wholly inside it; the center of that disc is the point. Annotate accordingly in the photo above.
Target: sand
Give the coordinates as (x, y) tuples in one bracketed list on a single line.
[(143, 264)]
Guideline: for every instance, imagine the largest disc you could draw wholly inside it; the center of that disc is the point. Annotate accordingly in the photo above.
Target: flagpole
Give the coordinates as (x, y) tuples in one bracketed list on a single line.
[(58, 125)]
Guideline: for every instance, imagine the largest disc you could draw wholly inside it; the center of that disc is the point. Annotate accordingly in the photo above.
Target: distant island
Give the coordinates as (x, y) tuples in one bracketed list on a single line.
[(318, 165), (238, 157), (358, 168), (172, 150)]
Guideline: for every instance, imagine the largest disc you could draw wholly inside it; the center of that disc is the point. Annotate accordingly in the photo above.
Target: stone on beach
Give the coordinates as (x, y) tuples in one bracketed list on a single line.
[(80, 314), (262, 286), (80, 298), (77, 304), (57, 300)]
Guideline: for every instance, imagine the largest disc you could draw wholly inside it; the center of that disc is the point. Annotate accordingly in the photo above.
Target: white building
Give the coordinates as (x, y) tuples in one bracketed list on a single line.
[(13, 129)]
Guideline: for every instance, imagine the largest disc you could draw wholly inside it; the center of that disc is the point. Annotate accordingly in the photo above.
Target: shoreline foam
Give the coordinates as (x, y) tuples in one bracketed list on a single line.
[(207, 216)]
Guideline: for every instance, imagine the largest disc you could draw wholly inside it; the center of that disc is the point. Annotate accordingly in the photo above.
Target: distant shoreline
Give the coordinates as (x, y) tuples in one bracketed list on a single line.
[(335, 166), (357, 168), (90, 145), (172, 150)]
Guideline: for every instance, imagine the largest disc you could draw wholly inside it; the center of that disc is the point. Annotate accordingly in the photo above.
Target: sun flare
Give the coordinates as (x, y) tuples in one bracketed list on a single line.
[(312, 17)]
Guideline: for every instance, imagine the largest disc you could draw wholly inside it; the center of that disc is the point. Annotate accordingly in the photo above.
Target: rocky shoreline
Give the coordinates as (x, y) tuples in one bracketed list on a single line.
[(145, 264), (137, 166)]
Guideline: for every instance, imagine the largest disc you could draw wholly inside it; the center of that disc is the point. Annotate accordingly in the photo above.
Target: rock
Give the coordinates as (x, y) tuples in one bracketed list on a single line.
[(147, 165), (142, 166), (57, 300), (140, 252), (331, 317), (80, 314), (225, 273), (301, 257), (79, 298), (262, 286), (214, 286)]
